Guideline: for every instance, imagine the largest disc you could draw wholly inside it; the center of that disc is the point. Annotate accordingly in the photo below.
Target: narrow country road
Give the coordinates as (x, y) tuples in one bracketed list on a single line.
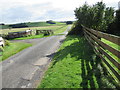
[(26, 68)]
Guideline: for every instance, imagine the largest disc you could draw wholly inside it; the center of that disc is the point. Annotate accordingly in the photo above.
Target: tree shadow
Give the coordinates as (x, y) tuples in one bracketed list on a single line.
[(90, 63)]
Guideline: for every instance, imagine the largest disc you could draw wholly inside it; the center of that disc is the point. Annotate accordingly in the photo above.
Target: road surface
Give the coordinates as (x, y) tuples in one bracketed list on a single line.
[(26, 68)]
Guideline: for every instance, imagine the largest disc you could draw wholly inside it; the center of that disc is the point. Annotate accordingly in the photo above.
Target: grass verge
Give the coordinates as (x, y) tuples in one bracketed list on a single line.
[(75, 65), (30, 37), (13, 48)]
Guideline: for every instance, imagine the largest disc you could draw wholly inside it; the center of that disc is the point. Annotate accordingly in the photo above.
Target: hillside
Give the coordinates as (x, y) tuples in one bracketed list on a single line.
[(28, 24)]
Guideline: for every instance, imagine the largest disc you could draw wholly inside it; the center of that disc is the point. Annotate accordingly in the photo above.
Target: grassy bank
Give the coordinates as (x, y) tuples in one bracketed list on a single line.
[(75, 65), (13, 48)]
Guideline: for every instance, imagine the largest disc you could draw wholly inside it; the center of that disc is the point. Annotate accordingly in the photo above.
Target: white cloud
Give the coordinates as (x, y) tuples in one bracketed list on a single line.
[(36, 10)]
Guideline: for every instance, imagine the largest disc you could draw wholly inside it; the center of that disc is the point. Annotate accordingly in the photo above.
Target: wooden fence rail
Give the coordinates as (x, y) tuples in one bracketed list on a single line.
[(103, 50)]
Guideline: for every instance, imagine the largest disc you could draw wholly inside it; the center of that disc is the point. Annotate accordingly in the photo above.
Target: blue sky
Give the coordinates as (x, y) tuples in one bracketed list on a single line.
[(18, 11)]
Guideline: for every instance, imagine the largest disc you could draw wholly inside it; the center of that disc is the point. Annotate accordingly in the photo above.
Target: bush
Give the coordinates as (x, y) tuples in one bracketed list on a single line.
[(113, 28), (51, 22), (3, 35), (1, 49), (7, 43), (69, 22), (76, 30), (20, 25)]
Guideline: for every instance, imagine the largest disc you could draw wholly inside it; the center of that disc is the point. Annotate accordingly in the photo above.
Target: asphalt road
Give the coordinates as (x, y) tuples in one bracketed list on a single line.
[(26, 68)]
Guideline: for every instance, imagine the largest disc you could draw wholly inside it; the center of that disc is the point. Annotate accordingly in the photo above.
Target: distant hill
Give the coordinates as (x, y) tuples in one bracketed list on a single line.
[(29, 24)]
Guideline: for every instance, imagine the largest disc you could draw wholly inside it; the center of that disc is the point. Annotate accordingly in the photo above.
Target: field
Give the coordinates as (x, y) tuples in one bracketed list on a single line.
[(33, 24), (75, 65), (5, 31)]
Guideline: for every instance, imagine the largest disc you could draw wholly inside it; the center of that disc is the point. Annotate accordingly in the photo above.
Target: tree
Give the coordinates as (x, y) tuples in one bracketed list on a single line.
[(20, 25), (69, 22), (51, 22), (97, 16), (108, 18), (114, 27)]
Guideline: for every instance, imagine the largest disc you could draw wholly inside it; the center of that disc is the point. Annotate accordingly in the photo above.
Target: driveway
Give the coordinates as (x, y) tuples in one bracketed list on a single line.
[(26, 68)]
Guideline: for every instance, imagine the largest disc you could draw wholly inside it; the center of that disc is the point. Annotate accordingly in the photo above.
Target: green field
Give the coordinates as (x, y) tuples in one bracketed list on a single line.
[(54, 28), (33, 24), (13, 48), (75, 65)]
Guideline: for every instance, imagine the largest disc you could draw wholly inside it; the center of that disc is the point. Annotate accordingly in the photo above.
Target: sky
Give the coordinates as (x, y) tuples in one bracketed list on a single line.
[(19, 11)]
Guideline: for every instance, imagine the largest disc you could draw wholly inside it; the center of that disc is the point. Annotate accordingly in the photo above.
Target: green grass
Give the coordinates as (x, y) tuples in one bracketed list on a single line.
[(75, 65), (13, 48), (40, 24), (60, 29), (29, 37), (115, 46)]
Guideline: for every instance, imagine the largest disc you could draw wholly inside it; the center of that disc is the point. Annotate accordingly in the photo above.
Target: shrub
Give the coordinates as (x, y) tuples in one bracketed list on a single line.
[(51, 22), (3, 35), (7, 43), (1, 49), (69, 22), (20, 25), (76, 29)]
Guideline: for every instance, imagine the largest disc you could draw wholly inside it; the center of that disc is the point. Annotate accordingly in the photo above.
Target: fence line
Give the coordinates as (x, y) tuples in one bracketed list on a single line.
[(103, 50)]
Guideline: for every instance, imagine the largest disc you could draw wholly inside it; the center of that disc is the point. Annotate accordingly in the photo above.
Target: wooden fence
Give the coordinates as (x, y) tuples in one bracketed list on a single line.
[(103, 50)]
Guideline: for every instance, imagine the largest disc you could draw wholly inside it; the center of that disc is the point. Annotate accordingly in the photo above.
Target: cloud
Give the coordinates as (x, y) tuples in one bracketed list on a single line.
[(16, 14), (13, 11)]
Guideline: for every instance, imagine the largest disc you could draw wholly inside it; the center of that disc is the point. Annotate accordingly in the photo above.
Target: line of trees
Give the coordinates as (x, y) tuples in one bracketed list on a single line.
[(20, 25), (98, 17), (114, 27)]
